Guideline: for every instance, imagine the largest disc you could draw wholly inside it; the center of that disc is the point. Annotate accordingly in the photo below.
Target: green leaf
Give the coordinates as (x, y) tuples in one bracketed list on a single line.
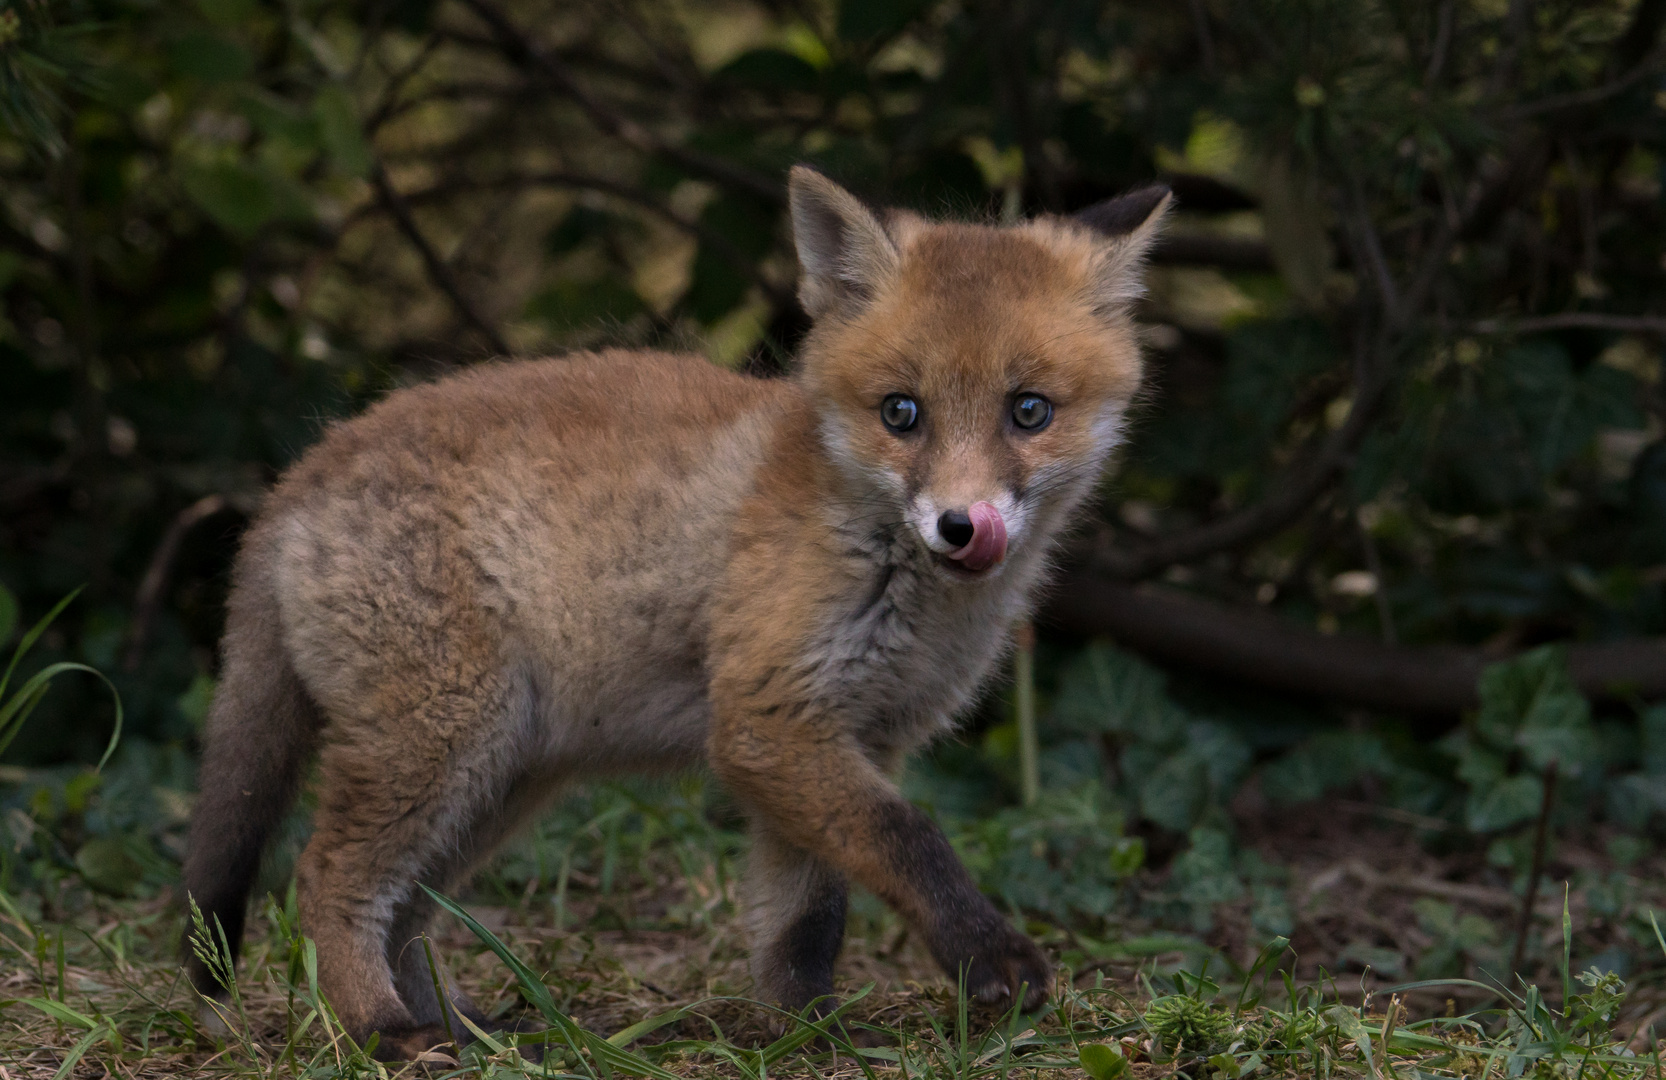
[(8, 613), (229, 14), (1530, 703), (771, 69), (1654, 740), (198, 697), (1511, 801), (1102, 1061), (862, 20), (341, 132), (205, 55), (569, 305), (242, 198), (1107, 689), (108, 867)]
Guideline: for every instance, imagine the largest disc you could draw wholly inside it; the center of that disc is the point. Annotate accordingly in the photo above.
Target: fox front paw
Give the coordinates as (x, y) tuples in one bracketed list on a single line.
[(1001, 962)]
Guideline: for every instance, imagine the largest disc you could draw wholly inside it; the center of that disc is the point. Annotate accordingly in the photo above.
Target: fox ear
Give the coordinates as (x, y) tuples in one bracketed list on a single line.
[(844, 253), (1130, 223)]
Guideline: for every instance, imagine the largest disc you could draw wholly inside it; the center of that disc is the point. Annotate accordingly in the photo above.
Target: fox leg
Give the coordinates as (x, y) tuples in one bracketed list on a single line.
[(492, 820), (795, 917), (817, 789), (394, 804)]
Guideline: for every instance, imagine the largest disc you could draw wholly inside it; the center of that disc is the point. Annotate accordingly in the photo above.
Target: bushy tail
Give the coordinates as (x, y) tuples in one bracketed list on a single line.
[(261, 730)]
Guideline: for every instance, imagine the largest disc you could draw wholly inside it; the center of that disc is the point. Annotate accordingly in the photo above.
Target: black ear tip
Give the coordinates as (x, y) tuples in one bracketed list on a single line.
[(1126, 212)]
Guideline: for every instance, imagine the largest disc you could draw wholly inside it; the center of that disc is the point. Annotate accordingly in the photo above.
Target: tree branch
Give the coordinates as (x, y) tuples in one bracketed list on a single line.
[(438, 271), (1226, 252), (148, 601), (1292, 494), (1571, 320), (1259, 647), (722, 245), (610, 120)]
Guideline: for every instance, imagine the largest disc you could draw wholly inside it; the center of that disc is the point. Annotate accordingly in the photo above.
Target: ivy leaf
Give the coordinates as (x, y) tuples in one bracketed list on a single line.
[(1510, 801), (1530, 703), (107, 866), (1102, 1061)]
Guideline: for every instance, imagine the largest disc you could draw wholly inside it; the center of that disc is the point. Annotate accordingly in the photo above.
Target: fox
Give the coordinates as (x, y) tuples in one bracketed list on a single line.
[(484, 590)]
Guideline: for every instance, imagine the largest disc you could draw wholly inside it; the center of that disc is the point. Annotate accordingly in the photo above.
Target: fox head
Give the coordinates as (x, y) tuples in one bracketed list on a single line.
[(971, 378)]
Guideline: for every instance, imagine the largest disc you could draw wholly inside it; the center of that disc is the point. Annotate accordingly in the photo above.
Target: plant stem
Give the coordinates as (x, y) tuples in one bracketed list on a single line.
[(439, 992), (1540, 835), (1029, 746)]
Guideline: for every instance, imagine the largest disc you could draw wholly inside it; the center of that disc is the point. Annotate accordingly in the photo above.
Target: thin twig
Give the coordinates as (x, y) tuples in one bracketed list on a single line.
[(1374, 563), (1590, 96), (609, 120), (1292, 493), (1540, 833), (438, 270), (1443, 41), (720, 245), (148, 601), (1029, 748)]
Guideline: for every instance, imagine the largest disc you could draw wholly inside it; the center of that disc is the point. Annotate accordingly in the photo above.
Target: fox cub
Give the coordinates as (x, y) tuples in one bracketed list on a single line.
[(533, 573)]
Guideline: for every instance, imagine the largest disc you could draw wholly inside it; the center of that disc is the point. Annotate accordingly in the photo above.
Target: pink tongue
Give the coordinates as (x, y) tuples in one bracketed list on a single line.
[(988, 545)]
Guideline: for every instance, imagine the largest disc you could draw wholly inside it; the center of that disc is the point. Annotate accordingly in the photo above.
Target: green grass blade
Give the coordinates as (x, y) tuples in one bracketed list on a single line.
[(1273, 950), (629, 1035), (18, 708), (604, 1053), (77, 1052), (57, 1010), (33, 635), (534, 988), (811, 1029), (1567, 950)]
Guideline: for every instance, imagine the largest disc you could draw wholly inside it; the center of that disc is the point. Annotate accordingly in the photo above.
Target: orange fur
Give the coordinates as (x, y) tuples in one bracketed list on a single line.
[(532, 573)]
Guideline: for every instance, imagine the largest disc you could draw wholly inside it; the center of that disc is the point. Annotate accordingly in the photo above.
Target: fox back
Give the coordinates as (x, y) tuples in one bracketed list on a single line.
[(529, 574)]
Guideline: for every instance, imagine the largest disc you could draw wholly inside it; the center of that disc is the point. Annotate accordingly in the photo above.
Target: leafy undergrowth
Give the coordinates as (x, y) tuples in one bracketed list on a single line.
[(645, 975)]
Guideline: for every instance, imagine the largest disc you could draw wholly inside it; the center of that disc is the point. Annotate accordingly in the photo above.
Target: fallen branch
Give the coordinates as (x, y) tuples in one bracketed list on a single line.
[(1262, 648), (1574, 320)]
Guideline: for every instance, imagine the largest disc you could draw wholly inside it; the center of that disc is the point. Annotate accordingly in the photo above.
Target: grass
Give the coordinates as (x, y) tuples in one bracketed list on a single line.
[(646, 977), (609, 935)]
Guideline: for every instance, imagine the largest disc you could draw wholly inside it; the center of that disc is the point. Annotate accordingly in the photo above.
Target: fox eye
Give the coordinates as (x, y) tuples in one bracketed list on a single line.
[(1032, 412), (899, 412)]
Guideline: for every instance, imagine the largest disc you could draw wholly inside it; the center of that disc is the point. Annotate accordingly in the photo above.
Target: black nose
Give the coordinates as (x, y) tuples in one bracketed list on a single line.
[(955, 527)]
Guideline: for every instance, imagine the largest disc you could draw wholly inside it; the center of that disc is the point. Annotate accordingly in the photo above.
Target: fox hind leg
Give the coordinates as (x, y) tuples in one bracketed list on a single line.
[(395, 803), (492, 819)]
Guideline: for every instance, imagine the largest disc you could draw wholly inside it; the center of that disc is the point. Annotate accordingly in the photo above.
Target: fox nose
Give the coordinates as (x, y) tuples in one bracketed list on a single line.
[(955, 527)]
